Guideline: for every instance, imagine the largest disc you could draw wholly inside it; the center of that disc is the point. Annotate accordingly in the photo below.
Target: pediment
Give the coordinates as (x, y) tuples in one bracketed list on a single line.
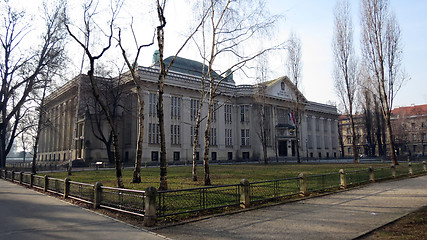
[(283, 88)]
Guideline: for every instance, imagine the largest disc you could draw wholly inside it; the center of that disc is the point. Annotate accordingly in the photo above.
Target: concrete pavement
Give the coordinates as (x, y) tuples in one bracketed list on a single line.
[(344, 215), (27, 214)]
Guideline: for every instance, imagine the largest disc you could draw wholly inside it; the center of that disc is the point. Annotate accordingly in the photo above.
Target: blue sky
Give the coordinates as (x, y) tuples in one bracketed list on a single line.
[(312, 20)]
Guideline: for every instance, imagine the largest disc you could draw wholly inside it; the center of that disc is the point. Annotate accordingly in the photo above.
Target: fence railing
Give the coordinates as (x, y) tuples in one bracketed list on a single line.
[(196, 199), (153, 204)]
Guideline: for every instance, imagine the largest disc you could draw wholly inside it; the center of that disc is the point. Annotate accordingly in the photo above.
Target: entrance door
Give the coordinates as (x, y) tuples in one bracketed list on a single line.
[(283, 149)]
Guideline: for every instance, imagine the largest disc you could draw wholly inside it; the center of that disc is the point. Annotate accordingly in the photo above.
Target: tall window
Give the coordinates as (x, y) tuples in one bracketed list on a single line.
[(244, 136), (175, 134), (153, 133), (152, 104), (175, 107), (310, 141), (228, 137), (326, 142), (318, 142), (194, 107), (227, 113), (244, 113), (282, 116), (213, 137)]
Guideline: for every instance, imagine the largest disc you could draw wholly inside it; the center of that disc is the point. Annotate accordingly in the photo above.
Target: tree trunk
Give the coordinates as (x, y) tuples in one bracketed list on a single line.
[(196, 139), (354, 137), (138, 157), (207, 136)]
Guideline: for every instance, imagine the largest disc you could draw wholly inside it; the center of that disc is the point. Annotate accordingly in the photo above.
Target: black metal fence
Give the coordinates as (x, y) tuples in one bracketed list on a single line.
[(196, 199), (174, 202)]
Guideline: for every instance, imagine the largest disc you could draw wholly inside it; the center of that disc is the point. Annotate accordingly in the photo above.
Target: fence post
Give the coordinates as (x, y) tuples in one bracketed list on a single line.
[(303, 184), (150, 207), (66, 187), (97, 195), (46, 183), (343, 180), (21, 177), (424, 166), (13, 175), (245, 200), (411, 172), (393, 171), (31, 180), (371, 174)]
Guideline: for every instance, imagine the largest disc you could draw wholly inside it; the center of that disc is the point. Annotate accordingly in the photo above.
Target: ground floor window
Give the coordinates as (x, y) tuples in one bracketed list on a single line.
[(245, 155), (154, 156), (230, 156), (176, 156), (213, 156)]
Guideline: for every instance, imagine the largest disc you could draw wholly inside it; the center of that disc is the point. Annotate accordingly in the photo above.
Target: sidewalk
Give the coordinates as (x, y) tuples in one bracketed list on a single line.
[(27, 214), (345, 215)]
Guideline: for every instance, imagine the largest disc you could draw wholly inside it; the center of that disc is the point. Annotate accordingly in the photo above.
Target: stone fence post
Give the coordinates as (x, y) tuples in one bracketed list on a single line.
[(371, 174), (150, 215), (31, 180), (410, 171), (343, 180), (424, 166), (66, 187), (21, 177), (97, 195), (393, 171), (46, 183), (245, 200), (13, 176), (303, 184)]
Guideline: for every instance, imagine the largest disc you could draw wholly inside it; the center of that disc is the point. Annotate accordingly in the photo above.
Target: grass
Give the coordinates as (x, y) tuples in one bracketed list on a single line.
[(181, 177)]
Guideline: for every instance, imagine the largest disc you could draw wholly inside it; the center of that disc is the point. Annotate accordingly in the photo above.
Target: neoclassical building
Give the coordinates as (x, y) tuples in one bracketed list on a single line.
[(74, 127)]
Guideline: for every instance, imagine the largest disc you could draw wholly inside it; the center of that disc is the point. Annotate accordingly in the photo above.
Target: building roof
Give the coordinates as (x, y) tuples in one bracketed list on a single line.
[(191, 67), (414, 110)]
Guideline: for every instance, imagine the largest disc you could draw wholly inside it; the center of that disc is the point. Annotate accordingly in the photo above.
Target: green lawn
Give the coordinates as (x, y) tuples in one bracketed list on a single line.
[(181, 177)]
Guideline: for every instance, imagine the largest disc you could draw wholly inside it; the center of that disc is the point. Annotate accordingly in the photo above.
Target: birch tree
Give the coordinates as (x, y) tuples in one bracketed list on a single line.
[(230, 24), (382, 52), (133, 69), (163, 71), (345, 67)]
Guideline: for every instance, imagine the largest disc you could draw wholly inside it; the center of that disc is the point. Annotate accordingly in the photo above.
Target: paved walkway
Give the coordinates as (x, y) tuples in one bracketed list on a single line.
[(27, 214), (344, 215)]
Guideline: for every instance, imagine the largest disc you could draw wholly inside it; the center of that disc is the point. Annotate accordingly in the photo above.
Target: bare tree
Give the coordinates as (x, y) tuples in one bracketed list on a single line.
[(113, 93), (260, 97), (20, 67), (163, 71), (294, 64), (230, 24), (382, 52), (345, 67), (133, 68), (90, 11)]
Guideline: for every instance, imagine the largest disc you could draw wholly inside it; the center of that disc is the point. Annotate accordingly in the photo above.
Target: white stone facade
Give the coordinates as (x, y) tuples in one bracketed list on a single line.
[(234, 132)]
